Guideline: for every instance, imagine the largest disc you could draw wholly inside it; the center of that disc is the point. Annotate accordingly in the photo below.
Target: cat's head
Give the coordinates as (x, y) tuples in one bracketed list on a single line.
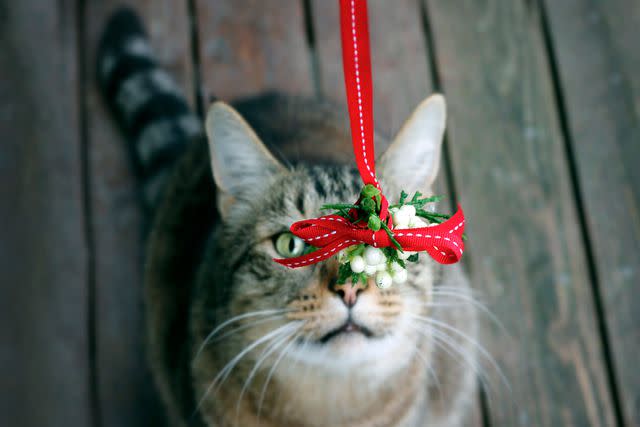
[(302, 314)]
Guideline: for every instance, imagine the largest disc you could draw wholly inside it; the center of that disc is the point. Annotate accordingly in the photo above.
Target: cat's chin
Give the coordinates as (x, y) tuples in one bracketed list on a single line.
[(349, 350)]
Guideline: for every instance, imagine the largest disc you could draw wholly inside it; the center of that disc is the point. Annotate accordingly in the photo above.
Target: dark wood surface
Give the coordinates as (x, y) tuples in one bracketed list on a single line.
[(599, 79), (44, 361), (525, 251), (117, 221), (249, 46), (544, 145)]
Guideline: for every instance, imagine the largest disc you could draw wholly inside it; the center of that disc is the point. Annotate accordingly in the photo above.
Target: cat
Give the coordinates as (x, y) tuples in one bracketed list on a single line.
[(238, 340)]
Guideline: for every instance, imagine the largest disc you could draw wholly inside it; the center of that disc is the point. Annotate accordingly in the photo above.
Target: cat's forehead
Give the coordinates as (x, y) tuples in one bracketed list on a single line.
[(300, 193)]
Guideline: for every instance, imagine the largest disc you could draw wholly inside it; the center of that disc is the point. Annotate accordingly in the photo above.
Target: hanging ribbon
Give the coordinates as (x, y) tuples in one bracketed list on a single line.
[(332, 233)]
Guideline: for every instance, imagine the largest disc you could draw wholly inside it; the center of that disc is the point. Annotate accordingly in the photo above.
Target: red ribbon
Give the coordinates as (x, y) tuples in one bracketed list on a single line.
[(332, 233)]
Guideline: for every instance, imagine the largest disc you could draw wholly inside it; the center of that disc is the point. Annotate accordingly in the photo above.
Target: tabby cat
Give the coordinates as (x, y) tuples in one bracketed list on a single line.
[(238, 340)]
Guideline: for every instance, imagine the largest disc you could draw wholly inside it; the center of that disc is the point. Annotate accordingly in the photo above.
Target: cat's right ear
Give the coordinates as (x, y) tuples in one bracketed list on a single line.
[(242, 166)]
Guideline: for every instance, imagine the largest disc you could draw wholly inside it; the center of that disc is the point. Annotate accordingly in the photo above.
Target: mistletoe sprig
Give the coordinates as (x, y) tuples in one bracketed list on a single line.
[(388, 265)]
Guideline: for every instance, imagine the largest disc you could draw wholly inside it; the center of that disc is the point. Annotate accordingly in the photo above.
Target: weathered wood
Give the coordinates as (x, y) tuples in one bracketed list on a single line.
[(249, 46), (44, 364), (400, 66), (600, 83), (621, 19), (126, 395), (525, 250)]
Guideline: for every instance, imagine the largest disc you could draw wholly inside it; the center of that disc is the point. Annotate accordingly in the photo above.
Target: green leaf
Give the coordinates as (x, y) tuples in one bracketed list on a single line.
[(403, 197), (359, 250), (374, 222), (344, 272), (414, 258), (338, 206), (369, 191), (390, 234), (355, 278), (432, 199), (368, 205), (427, 214)]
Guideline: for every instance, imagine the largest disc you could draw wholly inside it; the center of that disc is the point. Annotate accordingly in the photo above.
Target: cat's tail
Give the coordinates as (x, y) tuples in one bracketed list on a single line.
[(146, 101)]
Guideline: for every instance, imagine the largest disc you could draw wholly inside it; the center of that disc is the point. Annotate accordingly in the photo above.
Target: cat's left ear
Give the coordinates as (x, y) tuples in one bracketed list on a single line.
[(242, 166), (413, 159)]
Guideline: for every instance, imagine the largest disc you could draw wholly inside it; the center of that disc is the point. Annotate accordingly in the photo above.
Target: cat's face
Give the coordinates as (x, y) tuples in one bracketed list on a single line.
[(302, 315), (330, 322)]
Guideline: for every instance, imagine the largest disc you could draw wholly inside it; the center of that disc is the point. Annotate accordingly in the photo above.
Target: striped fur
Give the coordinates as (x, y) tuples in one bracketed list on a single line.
[(146, 101)]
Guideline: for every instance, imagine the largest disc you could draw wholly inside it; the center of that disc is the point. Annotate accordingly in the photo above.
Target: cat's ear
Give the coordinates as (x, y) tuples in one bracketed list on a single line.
[(413, 158), (242, 166)]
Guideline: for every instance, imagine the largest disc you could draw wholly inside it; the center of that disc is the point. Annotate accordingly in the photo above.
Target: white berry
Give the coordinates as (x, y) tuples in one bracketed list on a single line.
[(383, 280), (370, 270), (373, 256), (382, 266), (400, 276), (357, 264), (395, 267), (342, 256), (417, 222), (409, 210), (401, 219)]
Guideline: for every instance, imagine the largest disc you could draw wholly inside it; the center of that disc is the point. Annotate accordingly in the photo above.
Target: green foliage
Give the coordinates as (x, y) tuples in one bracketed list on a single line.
[(344, 273), (374, 222)]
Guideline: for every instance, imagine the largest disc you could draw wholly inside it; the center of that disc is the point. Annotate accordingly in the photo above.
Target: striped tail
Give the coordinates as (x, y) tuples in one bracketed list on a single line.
[(146, 101)]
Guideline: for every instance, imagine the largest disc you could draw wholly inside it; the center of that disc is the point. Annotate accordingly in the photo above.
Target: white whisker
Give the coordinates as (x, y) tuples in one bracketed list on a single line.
[(235, 319), (480, 348), (477, 304), (226, 370), (270, 349), (284, 351), (432, 372), (246, 326)]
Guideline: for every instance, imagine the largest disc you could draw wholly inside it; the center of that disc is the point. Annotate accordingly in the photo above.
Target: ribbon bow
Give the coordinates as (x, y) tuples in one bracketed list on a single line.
[(332, 233)]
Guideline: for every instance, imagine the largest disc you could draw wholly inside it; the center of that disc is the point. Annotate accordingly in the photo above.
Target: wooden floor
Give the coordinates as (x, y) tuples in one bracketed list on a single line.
[(543, 152)]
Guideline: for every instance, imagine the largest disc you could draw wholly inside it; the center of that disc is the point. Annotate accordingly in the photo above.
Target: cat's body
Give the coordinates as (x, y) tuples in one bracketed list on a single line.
[(303, 350)]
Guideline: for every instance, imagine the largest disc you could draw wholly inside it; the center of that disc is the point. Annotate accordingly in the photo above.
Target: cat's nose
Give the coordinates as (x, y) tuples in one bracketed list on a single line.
[(348, 292)]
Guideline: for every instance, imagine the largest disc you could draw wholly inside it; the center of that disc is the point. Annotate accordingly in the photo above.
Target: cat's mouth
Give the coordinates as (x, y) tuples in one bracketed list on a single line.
[(349, 327)]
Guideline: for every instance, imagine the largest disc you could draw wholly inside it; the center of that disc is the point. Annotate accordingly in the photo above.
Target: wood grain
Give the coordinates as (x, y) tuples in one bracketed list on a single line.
[(44, 364), (600, 82), (125, 391), (525, 250), (249, 46)]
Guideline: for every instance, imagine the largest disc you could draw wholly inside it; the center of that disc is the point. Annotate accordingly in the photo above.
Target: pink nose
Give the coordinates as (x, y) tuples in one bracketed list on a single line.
[(348, 293)]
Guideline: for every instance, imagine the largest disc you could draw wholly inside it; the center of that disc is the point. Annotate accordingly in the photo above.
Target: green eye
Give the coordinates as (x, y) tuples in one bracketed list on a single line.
[(288, 245)]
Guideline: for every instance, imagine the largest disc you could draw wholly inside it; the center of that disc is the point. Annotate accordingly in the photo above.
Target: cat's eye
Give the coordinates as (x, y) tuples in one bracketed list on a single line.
[(288, 245)]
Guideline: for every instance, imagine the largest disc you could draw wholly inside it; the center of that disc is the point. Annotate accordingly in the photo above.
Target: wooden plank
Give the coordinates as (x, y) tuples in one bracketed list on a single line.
[(599, 84), (621, 18), (400, 67), (125, 390), (525, 250), (44, 364), (247, 46)]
